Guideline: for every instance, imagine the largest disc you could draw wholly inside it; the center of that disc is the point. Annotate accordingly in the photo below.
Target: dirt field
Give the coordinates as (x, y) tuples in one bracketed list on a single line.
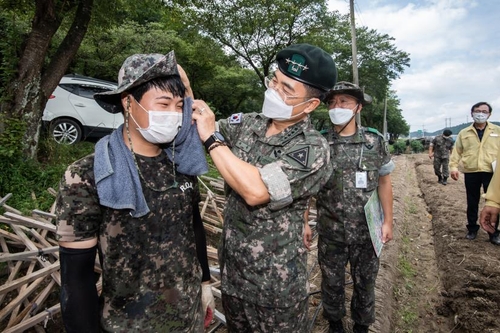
[(441, 282), (431, 278)]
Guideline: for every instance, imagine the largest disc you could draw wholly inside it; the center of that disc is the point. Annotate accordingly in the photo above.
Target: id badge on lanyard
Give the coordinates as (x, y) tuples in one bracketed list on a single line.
[(361, 179)]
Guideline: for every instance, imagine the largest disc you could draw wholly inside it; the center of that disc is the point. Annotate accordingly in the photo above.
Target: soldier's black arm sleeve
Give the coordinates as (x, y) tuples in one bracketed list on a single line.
[(79, 300), (201, 243)]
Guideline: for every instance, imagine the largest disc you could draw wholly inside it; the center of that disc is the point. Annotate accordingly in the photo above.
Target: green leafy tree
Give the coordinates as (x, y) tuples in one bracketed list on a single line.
[(26, 94), (373, 116), (254, 31), (217, 78)]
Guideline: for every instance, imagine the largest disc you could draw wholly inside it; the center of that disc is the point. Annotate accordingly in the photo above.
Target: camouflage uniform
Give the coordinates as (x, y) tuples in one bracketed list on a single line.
[(262, 256), (441, 147), (342, 227), (151, 279)]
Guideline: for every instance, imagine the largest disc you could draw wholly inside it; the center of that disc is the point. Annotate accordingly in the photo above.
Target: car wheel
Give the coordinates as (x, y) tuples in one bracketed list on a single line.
[(66, 131)]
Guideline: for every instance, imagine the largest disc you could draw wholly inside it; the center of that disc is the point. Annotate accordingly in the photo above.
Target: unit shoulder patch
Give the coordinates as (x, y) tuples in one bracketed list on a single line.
[(301, 155)]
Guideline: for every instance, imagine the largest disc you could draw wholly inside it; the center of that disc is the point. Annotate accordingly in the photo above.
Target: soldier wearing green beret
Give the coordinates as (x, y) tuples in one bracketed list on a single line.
[(361, 165), (273, 162)]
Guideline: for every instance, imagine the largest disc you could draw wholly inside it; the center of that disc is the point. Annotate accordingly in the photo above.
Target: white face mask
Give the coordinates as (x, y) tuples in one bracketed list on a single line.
[(163, 126), (479, 117), (340, 116), (275, 108)]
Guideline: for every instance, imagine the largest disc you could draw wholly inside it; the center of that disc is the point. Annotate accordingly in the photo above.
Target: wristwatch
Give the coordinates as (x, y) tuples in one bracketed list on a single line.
[(215, 137)]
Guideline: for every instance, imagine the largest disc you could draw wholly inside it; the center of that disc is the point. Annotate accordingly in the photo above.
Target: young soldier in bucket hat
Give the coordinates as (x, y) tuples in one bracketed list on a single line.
[(361, 165), (135, 202), (273, 163)]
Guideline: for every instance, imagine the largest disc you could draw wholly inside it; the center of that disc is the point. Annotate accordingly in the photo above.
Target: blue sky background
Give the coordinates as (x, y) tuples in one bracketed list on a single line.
[(454, 47)]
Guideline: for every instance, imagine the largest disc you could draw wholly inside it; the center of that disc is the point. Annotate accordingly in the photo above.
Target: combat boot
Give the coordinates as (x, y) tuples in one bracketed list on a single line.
[(358, 328), (444, 182), (440, 179), (336, 327)]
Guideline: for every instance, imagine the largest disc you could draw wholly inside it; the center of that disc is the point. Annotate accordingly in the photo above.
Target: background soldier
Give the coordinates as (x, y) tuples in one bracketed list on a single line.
[(272, 162), (361, 164), (440, 148)]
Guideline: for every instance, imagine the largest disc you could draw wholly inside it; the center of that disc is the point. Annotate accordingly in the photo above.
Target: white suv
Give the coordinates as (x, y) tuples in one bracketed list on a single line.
[(72, 114)]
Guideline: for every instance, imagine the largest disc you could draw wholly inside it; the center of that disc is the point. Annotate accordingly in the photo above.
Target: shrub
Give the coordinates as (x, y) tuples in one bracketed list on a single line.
[(416, 146), (399, 147)]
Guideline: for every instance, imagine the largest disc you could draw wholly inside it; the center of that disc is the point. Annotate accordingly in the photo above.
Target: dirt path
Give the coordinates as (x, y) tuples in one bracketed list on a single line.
[(469, 270), (418, 287)]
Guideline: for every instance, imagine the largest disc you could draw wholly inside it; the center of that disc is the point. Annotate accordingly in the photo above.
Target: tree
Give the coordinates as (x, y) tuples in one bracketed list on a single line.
[(379, 61), (215, 77), (33, 82), (255, 31), (373, 116)]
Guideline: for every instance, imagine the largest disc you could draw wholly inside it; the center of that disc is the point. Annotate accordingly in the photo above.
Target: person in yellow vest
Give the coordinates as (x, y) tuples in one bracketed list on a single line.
[(476, 147)]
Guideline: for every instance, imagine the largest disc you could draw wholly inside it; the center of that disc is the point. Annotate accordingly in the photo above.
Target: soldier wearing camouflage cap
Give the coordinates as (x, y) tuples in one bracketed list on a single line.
[(273, 162), (361, 165), (440, 149), (135, 201)]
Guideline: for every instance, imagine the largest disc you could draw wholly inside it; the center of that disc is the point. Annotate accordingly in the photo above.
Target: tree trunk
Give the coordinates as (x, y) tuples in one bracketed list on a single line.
[(33, 86)]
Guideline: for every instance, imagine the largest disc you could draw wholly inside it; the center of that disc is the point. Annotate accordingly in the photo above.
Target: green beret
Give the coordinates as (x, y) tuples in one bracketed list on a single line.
[(308, 64)]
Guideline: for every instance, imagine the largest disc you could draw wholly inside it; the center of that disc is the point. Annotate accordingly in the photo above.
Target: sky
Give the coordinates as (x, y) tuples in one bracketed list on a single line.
[(454, 47)]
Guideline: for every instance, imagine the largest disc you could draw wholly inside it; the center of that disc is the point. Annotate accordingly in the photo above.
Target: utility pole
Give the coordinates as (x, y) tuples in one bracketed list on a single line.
[(354, 54), (385, 118), (447, 122)]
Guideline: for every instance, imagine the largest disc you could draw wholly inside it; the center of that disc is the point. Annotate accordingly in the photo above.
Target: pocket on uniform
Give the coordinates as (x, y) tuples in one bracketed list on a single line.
[(371, 180)]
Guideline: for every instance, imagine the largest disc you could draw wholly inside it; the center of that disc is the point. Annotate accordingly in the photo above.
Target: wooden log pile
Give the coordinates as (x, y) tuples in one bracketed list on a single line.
[(29, 262)]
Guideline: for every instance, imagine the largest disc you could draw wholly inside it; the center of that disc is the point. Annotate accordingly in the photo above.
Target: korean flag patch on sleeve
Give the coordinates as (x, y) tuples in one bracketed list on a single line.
[(235, 118)]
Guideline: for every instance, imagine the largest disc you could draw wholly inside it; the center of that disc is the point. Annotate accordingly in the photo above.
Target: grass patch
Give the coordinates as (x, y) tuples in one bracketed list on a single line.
[(407, 314), (411, 207), (28, 180)]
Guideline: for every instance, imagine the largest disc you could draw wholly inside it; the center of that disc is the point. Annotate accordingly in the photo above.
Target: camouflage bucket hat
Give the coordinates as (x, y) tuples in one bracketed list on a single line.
[(351, 89), (136, 70)]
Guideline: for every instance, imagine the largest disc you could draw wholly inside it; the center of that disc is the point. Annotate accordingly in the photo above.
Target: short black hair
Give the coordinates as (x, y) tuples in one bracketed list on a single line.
[(314, 92), (479, 104), (447, 132), (172, 83)]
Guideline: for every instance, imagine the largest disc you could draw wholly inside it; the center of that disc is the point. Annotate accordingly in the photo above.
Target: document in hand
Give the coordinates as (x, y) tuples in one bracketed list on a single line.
[(375, 218)]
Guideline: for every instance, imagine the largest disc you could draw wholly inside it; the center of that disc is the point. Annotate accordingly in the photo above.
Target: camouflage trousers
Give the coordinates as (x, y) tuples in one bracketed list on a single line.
[(441, 164), (333, 257), (245, 317)]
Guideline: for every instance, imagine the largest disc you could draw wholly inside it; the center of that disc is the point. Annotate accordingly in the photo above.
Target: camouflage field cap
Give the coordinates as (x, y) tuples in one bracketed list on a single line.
[(308, 64), (351, 89), (136, 70)]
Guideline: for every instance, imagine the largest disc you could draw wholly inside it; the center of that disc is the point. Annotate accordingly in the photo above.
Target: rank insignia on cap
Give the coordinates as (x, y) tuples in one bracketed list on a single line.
[(235, 118), (296, 65), (300, 156)]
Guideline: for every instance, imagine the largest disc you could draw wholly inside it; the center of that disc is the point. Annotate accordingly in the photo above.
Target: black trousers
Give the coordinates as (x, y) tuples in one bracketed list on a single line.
[(473, 183)]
